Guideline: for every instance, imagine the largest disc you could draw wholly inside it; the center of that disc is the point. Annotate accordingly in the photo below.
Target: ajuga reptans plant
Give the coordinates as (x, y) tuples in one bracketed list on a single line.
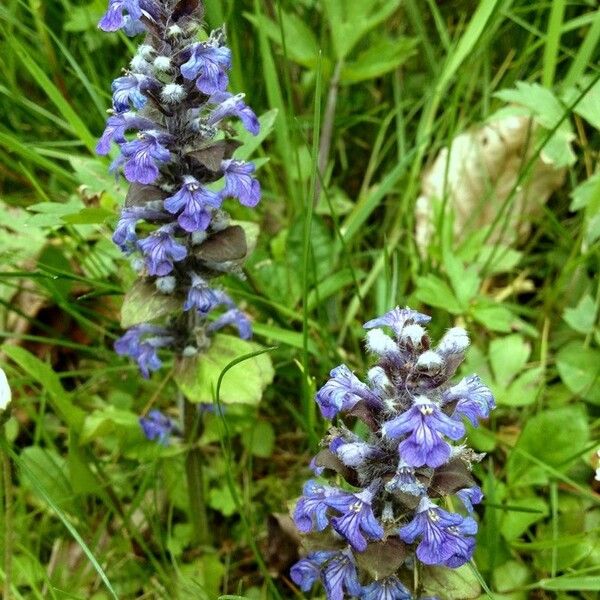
[(392, 516), (170, 121)]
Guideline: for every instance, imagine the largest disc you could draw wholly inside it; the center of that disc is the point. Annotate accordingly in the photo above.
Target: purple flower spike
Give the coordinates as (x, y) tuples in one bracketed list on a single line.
[(475, 400), (470, 496), (196, 203), (442, 534), (405, 481), (127, 93), (354, 454), (235, 318), (141, 156), (156, 426), (389, 588), (397, 318), (339, 575), (114, 18), (342, 392), (307, 570), (200, 296), (208, 64), (125, 233), (358, 522), (229, 105), (161, 250), (239, 182), (140, 343), (425, 423), (311, 509)]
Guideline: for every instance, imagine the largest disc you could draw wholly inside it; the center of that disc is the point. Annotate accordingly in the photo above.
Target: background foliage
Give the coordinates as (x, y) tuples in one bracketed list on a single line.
[(369, 92)]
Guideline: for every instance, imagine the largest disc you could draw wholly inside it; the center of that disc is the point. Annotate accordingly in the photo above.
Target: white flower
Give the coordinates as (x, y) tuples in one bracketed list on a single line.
[(380, 343), (5, 393), (455, 341)]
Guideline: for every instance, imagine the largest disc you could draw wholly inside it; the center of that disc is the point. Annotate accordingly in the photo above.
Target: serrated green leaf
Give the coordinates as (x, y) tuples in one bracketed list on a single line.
[(434, 291), (244, 383)]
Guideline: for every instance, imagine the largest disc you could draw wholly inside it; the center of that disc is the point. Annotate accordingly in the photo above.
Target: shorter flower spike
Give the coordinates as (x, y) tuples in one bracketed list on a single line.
[(394, 467), (156, 426)]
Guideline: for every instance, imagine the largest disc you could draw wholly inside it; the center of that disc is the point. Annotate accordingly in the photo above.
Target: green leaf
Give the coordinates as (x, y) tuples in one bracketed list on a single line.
[(433, 291), (451, 584), (515, 523), (49, 470), (110, 421), (583, 317), (572, 583), (585, 192), (523, 390), (381, 57), (144, 303), (568, 430), (244, 383), (259, 439), (42, 373), (221, 499), (588, 107), (88, 216), (465, 281), (251, 142), (508, 356), (349, 21), (491, 315), (579, 368)]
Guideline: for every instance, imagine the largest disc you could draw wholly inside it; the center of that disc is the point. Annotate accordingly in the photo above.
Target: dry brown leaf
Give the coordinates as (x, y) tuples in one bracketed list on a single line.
[(478, 173)]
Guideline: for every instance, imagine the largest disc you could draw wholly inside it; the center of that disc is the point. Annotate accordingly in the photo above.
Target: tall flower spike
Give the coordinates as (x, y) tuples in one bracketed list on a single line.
[(170, 122), (397, 473)]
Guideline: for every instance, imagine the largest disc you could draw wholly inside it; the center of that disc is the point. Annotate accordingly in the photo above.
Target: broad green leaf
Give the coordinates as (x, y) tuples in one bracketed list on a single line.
[(465, 281), (588, 107), (434, 291), (110, 421), (144, 303), (579, 368), (583, 317), (88, 216), (244, 383), (381, 57), (510, 575), (523, 390), (221, 499), (515, 523), (450, 584), (508, 356), (259, 439), (567, 429)]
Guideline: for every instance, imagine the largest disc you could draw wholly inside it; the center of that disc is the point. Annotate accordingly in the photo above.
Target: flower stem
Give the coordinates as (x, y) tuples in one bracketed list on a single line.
[(194, 471), (8, 526)]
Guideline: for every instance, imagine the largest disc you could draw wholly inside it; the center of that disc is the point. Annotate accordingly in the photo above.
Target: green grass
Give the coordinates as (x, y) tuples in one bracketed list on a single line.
[(96, 511)]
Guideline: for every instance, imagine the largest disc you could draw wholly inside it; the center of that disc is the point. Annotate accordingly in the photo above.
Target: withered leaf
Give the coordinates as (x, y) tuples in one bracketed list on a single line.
[(381, 559), (450, 478), (140, 195), (328, 460), (211, 156), (228, 244)]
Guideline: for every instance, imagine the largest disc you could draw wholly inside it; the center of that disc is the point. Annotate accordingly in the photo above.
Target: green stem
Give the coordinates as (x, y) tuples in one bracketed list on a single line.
[(194, 472), (8, 526)]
